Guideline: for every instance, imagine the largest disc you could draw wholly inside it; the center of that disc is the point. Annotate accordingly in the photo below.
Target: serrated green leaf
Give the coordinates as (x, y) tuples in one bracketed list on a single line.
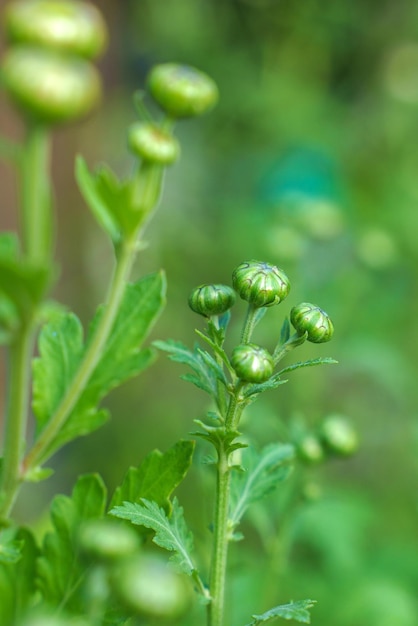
[(309, 363), (256, 389), (61, 352), (263, 473), (17, 577), (157, 476), (61, 349), (171, 534), (59, 570), (99, 203), (142, 303), (204, 377), (299, 611)]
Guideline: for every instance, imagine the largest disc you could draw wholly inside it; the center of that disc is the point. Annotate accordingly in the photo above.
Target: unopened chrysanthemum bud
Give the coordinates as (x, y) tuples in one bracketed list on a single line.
[(309, 318), (339, 435), (211, 300), (182, 91), (152, 144), (49, 87), (310, 449), (108, 540), (252, 364), (67, 26), (260, 284), (148, 586)]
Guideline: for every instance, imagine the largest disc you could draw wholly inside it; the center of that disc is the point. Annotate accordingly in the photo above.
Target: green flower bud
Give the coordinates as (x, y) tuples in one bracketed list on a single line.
[(211, 300), (339, 435), (308, 318), (260, 284), (148, 586), (252, 364), (107, 539), (309, 449), (62, 25), (48, 87), (182, 91), (152, 144)]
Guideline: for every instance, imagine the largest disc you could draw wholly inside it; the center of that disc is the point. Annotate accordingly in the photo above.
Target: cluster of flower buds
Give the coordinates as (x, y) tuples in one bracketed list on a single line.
[(48, 70), (261, 285)]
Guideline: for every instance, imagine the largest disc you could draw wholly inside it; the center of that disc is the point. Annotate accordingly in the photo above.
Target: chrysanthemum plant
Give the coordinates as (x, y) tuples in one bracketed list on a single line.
[(95, 566)]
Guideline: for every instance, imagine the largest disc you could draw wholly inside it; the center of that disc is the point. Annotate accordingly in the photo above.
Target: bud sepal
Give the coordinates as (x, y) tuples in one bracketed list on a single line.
[(309, 318), (260, 284), (252, 364), (210, 300)]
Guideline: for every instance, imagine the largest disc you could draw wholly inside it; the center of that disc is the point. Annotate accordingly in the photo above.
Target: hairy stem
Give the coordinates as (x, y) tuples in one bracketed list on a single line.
[(39, 452), (249, 324), (216, 608)]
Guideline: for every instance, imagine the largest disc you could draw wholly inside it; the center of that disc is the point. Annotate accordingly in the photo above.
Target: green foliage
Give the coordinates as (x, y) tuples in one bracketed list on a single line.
[(59, 570), (297, 611), (62, 350), (261, 474), (156, 477), (170, 533)]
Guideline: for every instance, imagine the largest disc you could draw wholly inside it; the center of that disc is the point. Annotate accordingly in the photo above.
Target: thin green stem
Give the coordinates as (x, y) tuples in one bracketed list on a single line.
[(36, 218), (39, 452), (15, 426), (216, 608), (249, 323)]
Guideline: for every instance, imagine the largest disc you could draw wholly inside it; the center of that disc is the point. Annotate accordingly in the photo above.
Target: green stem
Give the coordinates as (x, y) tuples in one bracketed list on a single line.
[(216, 608), (249, 324), (15, 426), (36, 216), (39, 452)]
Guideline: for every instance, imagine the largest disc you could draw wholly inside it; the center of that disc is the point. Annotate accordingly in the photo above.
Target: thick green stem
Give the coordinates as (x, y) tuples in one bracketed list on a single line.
[(36, 219), (15, 426), (39, 452)]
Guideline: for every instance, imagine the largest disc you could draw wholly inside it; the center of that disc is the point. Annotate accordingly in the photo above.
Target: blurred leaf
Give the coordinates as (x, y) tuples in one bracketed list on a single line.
[(17, 576), (59, 570), (157, 476), (10, 548), (62, 351), (295, 610), (263, 473), (171, 534)]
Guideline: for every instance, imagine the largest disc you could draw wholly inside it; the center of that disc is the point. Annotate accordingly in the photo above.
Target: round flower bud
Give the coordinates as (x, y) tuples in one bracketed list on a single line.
[(308, 318), (339, 435), (49, 87), (107, 539), (309, 449), (251, 363), (260, 284), (152, 144), (148, 586), (63, 25), (182, 91), (211, 300)]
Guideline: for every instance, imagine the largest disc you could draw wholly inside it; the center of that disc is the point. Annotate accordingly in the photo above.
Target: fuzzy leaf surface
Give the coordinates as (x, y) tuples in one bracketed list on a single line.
[(264, 471), (59, 571), (310, 363), (298, 611), (157, 476), (170, 533)]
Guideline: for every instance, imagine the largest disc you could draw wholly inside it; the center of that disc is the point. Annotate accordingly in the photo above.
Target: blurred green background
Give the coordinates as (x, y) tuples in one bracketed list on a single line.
[(310, 161)]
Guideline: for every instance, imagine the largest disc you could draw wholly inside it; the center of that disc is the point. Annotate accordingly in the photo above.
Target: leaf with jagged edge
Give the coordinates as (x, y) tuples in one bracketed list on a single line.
[(298, 611), (171, 532), (62, 349), (263, 472), (59, 571), (157, 476), (310, 363), (17, 575)]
